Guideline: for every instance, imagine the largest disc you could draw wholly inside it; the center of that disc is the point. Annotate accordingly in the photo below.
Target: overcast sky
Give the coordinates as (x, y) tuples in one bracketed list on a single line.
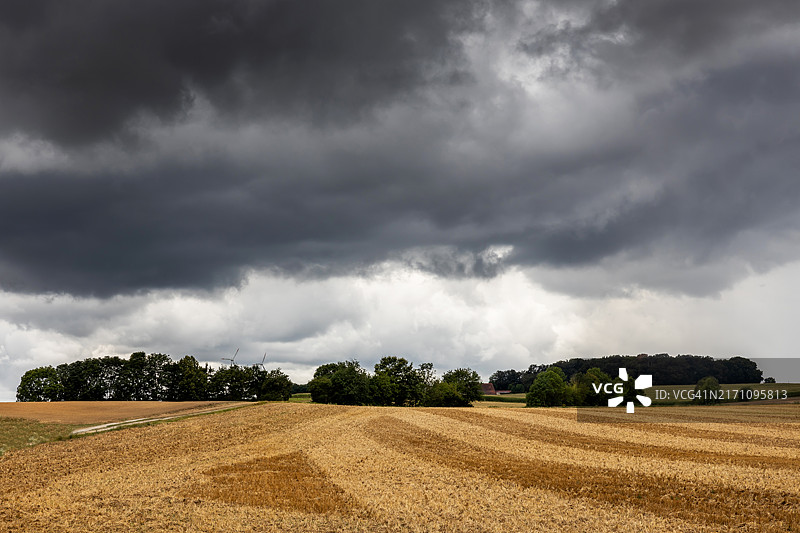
[(471, 183)]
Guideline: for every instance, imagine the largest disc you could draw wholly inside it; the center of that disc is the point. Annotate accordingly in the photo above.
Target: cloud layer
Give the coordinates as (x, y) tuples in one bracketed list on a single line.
[(160, 158), (152, 145), (79, 74)]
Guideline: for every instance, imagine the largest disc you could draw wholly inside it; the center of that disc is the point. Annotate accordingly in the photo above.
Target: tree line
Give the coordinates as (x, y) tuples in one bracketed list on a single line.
[(395, 381), (551, 388), (157, 377), (151, 377), (665, 369)]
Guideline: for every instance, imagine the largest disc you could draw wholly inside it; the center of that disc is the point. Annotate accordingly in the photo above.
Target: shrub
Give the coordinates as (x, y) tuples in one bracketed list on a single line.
[(707, 391)]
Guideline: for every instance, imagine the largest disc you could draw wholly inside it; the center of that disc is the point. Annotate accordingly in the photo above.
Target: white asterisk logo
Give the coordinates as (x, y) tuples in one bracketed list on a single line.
[(644, 381)]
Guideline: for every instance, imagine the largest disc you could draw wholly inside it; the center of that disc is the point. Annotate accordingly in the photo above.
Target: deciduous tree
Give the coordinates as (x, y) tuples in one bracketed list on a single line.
[(39, 385), (547, 390)]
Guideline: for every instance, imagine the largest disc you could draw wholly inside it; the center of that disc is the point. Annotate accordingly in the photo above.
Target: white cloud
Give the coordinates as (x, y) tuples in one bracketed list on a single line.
[(487, 324), (483, 323)]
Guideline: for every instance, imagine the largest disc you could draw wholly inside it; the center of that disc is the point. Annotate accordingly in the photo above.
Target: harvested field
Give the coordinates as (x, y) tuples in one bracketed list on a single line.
[(85, 413), (307, 467)]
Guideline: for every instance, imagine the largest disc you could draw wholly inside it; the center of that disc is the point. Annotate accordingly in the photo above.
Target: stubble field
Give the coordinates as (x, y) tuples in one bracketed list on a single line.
[(306, 467)]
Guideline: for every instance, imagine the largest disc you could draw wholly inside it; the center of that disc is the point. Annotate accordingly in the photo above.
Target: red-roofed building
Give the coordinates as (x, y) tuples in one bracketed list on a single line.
[(488, 389)]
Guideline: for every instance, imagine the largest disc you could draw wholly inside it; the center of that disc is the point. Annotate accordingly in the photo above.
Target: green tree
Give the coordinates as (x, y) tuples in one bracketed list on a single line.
[(404, 382), (108, 370), (592, 380), (156, 375), (132, 382), (321, 385), (64, 372), (320, 389), (275, 386), (350, 384), (517, 388), (467, 382), (741, 370), (548, 389), (186, 380), (344, 383), (89, 379), (707, 391), (574, 391), (527, 377), (505, 379), (444, 394), (234, 383), (427, 379), (427, 374), (382, 390), (39, 385), (299, 388)]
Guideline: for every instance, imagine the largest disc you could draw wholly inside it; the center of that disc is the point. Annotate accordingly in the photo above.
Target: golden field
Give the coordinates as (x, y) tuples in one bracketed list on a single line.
[(307, 467)]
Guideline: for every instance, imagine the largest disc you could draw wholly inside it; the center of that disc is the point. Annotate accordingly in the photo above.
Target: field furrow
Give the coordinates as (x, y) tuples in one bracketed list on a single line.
[(595, 443), (659, 494), (319, 468), (735, 430)]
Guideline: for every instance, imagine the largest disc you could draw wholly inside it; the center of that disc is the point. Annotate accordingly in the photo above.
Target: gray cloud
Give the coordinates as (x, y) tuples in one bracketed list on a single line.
[(80, 72), (315, 140), (628, 38)]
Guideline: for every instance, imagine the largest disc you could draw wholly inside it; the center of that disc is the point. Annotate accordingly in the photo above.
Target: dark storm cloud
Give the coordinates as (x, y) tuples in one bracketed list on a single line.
[(459, 161), (204, 226), (78, 72), (185, 228), (725, 156)]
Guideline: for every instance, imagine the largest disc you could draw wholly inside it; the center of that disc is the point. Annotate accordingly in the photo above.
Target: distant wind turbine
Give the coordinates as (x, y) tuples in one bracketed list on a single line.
[(232, 359)]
